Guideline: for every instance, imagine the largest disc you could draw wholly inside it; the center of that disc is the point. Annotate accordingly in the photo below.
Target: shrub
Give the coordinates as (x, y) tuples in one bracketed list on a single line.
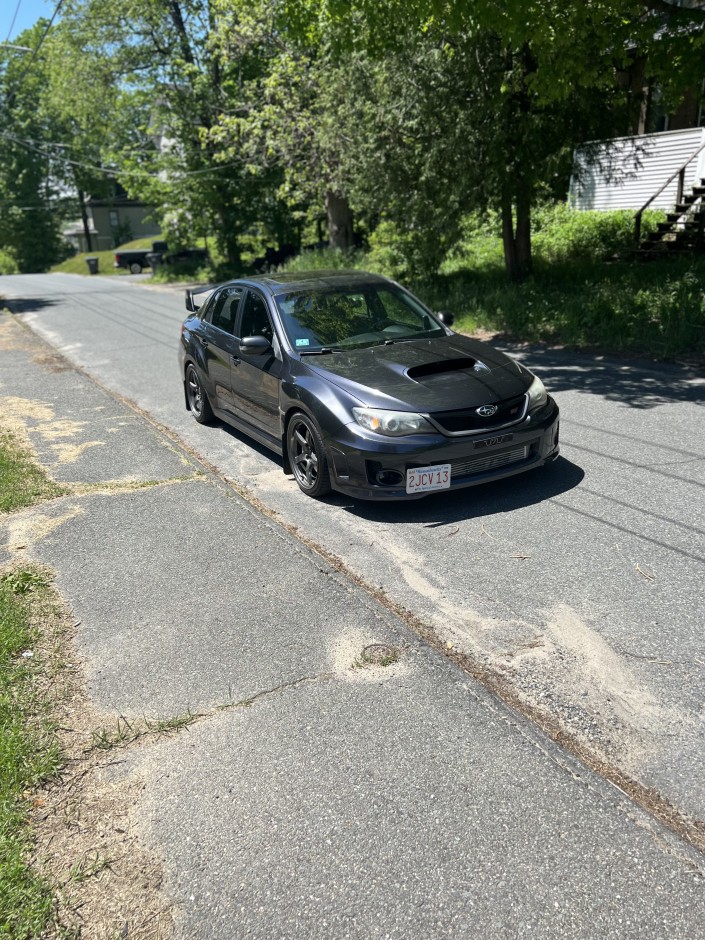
[(391, 251), (564, 234), (8, 265), (324, 259)]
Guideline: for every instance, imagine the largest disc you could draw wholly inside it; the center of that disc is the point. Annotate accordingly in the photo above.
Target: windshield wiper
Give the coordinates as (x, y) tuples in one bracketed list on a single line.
[(318, 352)]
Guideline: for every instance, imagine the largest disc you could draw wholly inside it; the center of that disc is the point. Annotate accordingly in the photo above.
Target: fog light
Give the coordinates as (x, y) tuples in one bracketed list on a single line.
[(389, 477)]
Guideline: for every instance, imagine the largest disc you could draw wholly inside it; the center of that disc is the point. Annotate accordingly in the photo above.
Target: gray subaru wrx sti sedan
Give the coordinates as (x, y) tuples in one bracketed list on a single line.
[(360, 387)]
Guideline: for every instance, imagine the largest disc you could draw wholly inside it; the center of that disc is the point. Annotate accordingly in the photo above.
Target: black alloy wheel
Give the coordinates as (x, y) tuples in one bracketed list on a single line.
[(197, 398), (307, 456)]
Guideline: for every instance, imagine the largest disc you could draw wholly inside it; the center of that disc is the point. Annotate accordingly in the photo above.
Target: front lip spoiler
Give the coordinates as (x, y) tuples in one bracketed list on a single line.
[(398, 494)]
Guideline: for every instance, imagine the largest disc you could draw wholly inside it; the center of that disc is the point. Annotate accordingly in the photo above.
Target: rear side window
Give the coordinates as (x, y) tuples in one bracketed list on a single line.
[(223, 311)]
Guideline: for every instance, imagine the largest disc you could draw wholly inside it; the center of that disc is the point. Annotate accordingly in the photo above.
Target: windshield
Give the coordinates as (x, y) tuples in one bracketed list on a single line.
[(354, 318)]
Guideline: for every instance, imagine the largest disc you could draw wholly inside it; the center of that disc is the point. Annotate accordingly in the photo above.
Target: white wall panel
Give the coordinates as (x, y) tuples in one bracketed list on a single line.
[(624, 173)]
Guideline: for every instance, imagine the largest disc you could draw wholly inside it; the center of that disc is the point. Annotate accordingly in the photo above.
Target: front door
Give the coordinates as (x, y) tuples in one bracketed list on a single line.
[(255, 380)]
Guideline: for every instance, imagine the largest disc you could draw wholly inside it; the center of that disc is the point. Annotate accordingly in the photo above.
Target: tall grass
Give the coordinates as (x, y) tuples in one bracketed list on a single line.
[(28, 756)]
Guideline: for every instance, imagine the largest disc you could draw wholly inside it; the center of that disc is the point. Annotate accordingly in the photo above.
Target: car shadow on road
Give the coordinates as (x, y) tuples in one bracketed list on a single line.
[(441, 509), (634, 383), (525, 489)]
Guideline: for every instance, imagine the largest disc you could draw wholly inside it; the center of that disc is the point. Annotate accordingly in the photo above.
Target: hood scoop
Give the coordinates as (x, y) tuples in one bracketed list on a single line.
[(444, 367)]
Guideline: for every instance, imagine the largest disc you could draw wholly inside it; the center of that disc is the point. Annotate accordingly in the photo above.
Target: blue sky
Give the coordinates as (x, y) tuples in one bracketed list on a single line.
[(28, 14)]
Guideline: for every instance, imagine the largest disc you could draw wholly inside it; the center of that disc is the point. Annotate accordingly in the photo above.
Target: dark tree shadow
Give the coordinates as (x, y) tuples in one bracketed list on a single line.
[(636, 383), (28, 305)]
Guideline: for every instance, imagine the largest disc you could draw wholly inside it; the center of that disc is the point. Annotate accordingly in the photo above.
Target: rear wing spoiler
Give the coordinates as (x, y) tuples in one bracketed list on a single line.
[(193, 305)]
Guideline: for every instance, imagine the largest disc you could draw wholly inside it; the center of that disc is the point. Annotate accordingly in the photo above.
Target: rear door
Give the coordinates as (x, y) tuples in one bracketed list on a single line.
[(220, 345), (256, 379)]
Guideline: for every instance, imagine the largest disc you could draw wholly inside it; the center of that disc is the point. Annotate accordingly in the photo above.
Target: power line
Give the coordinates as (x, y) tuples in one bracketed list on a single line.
[(12, 24), (36, 49), (115, 173)]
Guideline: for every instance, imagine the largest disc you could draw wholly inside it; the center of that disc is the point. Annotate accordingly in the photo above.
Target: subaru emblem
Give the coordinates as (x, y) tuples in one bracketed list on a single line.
[(486, 411)]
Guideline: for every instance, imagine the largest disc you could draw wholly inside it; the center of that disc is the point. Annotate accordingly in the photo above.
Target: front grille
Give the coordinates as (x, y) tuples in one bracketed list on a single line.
[(461, 468), (468, 421)]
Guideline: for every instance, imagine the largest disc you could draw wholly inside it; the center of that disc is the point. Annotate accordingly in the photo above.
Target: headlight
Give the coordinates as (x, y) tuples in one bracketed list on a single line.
[(391, 423), (538, 395)]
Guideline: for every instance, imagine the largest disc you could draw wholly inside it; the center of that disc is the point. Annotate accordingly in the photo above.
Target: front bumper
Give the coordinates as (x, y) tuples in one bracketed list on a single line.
[(369, 466)]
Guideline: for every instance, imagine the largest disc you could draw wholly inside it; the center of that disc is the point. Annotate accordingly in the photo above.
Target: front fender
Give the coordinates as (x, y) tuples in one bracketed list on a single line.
[(327, 405)]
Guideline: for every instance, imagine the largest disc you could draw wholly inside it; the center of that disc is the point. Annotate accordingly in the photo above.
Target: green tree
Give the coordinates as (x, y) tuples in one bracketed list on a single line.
[(536, 77), (30, 217), (169, 69)]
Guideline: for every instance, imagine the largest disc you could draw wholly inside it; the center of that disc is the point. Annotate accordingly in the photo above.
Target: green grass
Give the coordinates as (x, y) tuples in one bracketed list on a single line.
[(653, 309), (77, 264), (22, 480), (28, 755)]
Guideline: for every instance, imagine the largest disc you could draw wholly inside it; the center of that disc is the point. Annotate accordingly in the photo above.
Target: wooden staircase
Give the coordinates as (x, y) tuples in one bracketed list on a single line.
[(682, 232)]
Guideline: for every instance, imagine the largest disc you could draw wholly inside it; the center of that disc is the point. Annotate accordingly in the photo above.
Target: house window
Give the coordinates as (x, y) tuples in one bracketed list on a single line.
[(659, 118), (114, 219)]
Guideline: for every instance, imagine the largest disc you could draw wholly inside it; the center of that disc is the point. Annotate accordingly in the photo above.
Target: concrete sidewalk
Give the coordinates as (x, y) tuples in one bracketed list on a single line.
[(310, 796)]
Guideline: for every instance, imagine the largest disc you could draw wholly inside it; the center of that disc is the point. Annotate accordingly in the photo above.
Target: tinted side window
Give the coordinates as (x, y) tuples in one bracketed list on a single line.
[(255, 317), (223, 311), (204, 311)]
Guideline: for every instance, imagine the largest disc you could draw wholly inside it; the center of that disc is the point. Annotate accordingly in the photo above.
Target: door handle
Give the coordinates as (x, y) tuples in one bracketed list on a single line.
[(234, 361), (203, 341)]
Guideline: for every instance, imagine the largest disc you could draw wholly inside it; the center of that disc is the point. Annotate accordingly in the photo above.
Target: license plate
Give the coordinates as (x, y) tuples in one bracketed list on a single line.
[(425, 479)]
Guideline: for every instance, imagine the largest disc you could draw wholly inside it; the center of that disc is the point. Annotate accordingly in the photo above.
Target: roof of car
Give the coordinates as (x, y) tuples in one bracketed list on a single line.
[(311, 280)]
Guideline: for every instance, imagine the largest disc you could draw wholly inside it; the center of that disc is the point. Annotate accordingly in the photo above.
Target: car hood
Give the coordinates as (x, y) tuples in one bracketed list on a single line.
[(441, 374)]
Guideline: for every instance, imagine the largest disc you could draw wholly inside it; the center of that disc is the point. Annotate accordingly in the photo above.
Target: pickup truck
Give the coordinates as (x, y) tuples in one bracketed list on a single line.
[(136, 258)]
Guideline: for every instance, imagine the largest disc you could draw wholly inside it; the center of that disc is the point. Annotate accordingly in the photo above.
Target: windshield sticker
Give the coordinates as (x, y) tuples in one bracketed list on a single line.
[(302, 342)]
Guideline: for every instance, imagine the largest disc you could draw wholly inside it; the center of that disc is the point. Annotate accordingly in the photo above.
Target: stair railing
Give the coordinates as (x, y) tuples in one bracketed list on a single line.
[(680, 173)]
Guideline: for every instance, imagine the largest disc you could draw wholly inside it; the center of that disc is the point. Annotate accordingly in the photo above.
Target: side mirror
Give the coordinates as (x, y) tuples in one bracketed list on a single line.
[(190, 305), (255, 346), (446, 318)]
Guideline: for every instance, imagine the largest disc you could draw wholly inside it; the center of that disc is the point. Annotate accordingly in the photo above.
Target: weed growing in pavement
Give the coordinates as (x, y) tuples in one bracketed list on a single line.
[(126, 731), (377, 654)]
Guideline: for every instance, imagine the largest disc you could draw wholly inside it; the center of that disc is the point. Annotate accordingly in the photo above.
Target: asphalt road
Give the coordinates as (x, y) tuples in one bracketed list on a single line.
[(581, 586)]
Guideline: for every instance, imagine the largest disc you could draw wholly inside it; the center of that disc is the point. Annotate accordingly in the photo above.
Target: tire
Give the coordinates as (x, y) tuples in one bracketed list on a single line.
[(197, 398), (307, 456), (135, 267)]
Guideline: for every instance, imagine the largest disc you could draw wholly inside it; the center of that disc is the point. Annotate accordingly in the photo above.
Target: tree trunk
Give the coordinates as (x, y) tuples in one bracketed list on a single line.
[(516, 238), (227, 238), (508, 242), (84, 219), (340, 229), (523, 233)]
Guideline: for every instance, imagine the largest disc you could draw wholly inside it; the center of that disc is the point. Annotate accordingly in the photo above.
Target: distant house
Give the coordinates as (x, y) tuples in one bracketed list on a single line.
[(624, 173), (112, 221)]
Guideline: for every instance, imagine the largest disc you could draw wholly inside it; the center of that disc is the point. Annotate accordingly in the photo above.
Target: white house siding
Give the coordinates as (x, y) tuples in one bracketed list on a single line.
[(624, 173)]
